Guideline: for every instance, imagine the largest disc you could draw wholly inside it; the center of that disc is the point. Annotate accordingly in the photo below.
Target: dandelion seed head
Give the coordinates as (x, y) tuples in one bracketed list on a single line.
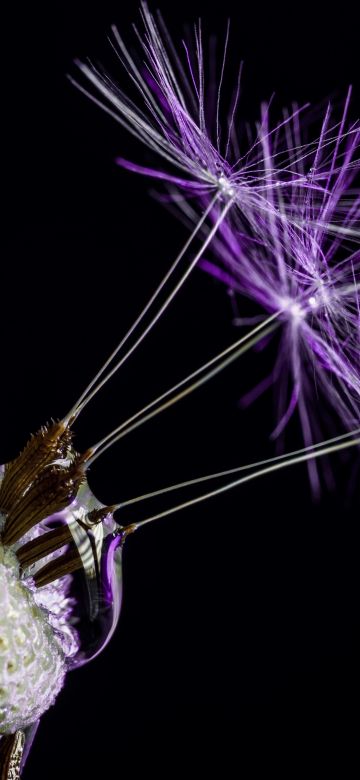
[(32, 664), (51, 526)]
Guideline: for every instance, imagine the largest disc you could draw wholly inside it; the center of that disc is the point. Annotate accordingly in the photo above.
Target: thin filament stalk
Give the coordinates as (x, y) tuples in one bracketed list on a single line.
[(236, 470), (226, 357), (327, 450), (90, 391)]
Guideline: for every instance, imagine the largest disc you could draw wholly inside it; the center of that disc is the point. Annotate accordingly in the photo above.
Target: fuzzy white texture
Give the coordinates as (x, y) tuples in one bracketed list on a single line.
[(32, 664)]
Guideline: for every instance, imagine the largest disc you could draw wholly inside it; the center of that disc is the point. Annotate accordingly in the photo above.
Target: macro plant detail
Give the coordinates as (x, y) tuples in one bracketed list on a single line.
[(308, 273), (278, 224), (51, 527), (282, 215)]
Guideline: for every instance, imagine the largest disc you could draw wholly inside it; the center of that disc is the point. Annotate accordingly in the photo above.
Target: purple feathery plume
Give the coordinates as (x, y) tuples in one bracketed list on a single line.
[(308, 271), (178, 118)]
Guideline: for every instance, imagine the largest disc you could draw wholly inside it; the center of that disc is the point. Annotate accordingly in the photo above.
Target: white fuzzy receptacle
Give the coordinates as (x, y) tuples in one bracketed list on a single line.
[(32, 664)]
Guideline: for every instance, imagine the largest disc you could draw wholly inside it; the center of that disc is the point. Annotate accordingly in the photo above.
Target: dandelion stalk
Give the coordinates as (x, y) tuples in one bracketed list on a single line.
[(211, 369), (270, 466), (87, 395)]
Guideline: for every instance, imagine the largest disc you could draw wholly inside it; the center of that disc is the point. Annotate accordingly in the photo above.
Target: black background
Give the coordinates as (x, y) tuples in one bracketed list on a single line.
[(239, 637)]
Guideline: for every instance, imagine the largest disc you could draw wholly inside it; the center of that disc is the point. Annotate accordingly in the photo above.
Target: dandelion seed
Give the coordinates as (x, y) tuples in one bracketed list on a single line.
[(309, 271), (290, 207), (173, 122)]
